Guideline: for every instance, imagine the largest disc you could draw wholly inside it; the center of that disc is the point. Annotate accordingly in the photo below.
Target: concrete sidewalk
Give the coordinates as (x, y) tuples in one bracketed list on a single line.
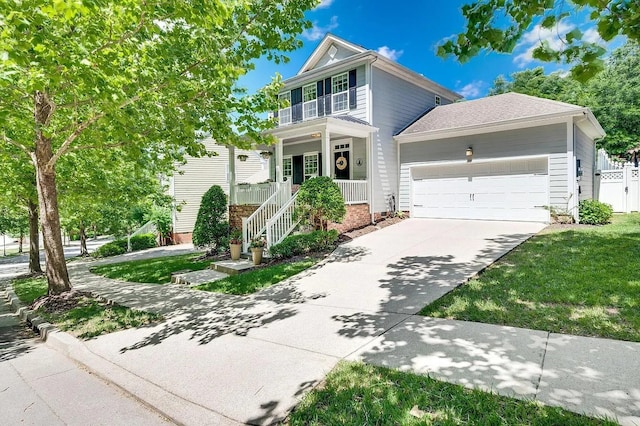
[(224, 359), (41, 386)]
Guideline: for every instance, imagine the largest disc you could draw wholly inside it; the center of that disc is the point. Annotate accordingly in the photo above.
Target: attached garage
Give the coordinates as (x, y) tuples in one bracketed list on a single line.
[(493, 190), (509, 157)]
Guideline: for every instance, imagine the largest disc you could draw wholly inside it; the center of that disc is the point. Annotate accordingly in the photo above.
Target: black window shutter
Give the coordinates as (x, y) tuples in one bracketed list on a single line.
[(327, 96), (296, 105), (353, 98), (320, 90), (319, 164)]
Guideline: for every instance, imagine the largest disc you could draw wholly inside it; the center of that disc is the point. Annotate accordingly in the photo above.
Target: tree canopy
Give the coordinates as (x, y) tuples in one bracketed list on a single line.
[(613, 95), (148, 78), (498, 26)]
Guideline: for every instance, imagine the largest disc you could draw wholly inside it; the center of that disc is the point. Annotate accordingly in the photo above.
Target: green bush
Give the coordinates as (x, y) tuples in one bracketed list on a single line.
[(593, 212), (320, 201), (211, 228), (112, 248), (296, 245), (142, 241)]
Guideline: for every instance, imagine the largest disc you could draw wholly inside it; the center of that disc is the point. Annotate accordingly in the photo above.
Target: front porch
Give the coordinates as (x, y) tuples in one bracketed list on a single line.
[(339, 147)]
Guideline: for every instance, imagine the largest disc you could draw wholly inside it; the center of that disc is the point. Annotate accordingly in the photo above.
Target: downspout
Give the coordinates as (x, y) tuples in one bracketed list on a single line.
[(371, 136)]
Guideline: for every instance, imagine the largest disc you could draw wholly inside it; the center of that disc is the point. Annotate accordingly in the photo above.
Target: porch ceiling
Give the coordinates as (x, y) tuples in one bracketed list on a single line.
[(333, 126)]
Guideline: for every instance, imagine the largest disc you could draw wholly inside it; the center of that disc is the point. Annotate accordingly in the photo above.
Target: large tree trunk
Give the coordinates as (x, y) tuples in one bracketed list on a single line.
[(56, 267), (83, 241), (34, 240), (20, 241)]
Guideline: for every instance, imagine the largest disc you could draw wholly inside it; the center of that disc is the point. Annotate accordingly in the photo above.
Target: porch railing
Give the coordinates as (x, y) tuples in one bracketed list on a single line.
[(282, 223), (354, 191), (256, 224), (255, 194)]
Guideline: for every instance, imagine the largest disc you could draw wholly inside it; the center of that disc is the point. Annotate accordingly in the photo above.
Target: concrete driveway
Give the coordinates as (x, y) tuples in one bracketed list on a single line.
[(225, 359)]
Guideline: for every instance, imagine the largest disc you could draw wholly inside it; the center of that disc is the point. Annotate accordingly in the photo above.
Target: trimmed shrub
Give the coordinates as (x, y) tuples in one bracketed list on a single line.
[(112, 248), (142, 241), (296, 245), (593, 212), (212, 229), (320, 201)]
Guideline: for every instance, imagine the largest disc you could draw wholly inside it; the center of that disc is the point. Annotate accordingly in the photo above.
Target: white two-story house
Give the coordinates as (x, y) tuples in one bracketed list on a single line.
[(395, 140)]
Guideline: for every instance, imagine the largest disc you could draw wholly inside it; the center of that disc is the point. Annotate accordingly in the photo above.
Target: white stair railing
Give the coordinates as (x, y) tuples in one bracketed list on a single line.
[(282, 223), (256, 224)]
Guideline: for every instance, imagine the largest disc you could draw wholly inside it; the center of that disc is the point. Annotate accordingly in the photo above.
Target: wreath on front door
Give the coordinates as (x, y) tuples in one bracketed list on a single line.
[(341, 163)]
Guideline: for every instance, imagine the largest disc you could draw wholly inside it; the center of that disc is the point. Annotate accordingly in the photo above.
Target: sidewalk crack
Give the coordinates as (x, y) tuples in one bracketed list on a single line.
[(544, 356)]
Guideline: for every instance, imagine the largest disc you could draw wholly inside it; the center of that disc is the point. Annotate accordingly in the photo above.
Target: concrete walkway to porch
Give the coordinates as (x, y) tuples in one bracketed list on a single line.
[(223, 359)]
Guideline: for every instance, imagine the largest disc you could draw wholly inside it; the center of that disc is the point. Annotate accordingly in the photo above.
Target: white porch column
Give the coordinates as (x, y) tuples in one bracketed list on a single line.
[(232, 175), (279, 154), (326, 153)]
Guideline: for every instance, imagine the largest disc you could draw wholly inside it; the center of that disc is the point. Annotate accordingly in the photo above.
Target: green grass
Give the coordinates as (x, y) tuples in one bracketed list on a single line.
[(583, 281), (29, 289), (153, 271), (89, 318), (252, 281), (359, 394), (92, 318)]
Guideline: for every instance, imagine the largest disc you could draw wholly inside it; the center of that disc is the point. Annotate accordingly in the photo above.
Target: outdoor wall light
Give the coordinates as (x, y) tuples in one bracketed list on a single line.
[(316, 135), (266, 154), (469, 153), (243, 157)]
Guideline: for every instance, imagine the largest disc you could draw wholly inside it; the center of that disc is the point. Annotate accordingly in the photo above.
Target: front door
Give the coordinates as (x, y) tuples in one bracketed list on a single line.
[(341, 161)]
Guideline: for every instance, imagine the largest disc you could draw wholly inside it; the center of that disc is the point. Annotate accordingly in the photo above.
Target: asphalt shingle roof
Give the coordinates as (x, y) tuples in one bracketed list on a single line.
[(492, 109)]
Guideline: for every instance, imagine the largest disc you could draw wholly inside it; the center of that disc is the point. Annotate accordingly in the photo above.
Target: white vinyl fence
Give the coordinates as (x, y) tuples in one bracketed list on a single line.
[(619, 184)]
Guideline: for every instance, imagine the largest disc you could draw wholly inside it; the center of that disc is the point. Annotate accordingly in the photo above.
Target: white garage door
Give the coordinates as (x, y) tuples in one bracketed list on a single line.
[(498, 190)]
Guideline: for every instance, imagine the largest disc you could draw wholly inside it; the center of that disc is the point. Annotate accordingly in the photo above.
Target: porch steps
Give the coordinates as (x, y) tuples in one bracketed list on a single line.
[(232, 267)]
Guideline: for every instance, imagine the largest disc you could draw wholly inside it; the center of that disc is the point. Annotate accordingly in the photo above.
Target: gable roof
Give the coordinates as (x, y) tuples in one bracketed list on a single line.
[(328, 41), (495, 110)]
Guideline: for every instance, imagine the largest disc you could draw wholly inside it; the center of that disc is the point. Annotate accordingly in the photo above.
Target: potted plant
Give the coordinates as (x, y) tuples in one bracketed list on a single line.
[(235, 243), (257, 247)]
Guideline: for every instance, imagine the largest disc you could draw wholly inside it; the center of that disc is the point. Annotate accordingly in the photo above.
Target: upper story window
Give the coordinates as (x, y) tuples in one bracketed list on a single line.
[(309, 103), (438, 100), (340, 90), (285, 113)]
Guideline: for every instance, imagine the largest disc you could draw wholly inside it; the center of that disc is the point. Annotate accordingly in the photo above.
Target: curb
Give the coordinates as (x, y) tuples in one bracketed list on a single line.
[(168, 405)]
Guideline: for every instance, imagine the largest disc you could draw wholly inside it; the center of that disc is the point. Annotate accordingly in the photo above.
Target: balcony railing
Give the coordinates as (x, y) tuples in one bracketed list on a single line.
[(354, 191), (255, 194)]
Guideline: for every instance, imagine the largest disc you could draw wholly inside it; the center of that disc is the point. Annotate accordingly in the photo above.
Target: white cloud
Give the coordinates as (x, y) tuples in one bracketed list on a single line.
[(472, 90), (389, 53), (317, 32), (324, 4), (592, 36), (532, 39)]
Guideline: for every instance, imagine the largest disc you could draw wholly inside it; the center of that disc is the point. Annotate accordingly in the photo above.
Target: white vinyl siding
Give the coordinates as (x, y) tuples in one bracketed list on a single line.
[(194, 178), (309, 101), (544, 140), (340, 92), (284, 114)]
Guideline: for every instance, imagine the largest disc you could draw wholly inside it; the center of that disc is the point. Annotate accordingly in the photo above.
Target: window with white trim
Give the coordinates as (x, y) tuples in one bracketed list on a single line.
[(438, 101), (310, 165), (309, 105), (285, 113), (340, 92), (287, 168)]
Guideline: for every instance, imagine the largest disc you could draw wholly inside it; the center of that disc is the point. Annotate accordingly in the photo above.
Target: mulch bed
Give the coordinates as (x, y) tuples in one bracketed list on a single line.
[(60, 303), (558, 227)]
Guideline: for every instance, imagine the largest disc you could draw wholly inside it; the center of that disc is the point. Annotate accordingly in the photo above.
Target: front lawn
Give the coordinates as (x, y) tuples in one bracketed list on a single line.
[(152, 271), (582, 281), (79, 313), (252, 281), (359, 394)]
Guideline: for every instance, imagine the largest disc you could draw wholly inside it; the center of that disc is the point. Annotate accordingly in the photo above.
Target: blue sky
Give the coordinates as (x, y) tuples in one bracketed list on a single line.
[(408, 31)]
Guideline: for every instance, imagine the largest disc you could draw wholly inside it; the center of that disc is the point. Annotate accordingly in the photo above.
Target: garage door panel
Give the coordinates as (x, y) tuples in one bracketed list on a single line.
[(500, 190)]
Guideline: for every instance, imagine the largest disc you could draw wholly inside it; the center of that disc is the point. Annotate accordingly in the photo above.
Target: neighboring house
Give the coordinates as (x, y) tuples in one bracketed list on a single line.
[(197, 175), (395, 140)]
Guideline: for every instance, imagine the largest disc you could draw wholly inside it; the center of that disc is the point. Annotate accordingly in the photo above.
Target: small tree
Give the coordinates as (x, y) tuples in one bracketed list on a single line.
[(211, 227), (320, 201)]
